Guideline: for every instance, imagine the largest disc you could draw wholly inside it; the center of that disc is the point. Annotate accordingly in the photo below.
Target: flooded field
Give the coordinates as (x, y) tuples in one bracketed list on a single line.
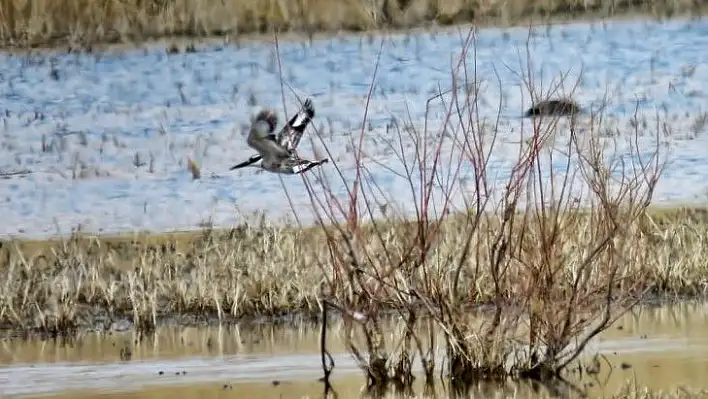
[(661, 348), (99, 143), (143, 140)]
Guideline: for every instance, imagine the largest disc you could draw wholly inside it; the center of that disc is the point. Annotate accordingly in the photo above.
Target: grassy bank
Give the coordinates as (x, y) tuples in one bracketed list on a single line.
[(81, 24), (58, 286)]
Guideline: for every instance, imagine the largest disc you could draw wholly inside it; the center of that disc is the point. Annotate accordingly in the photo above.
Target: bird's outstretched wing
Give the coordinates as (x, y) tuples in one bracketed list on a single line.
[(299, 165), (262, 138), (263, 126), (289, 137)]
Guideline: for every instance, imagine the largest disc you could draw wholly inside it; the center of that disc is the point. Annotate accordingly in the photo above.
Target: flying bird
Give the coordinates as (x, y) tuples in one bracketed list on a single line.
[(278, 153)]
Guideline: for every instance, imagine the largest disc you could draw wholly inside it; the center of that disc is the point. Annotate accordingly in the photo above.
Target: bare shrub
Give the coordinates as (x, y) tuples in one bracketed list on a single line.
[(557, 246)]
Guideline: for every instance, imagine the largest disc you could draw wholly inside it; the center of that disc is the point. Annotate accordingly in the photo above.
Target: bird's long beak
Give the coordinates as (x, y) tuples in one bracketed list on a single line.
[(249, 162)]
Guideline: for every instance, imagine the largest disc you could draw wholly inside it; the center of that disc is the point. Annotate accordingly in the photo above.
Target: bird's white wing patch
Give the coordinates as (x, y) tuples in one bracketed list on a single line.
[(289, 137)]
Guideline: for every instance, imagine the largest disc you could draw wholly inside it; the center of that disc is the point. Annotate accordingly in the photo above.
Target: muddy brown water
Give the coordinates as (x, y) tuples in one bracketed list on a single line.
[(660, 348)]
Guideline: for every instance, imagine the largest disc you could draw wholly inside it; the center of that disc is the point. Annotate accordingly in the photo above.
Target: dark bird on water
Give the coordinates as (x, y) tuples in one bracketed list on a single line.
[(553, 108)]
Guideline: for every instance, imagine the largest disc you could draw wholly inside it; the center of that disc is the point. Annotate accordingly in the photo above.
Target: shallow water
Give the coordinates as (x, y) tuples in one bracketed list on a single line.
[(349, 387), (101, 141), (661, 348)]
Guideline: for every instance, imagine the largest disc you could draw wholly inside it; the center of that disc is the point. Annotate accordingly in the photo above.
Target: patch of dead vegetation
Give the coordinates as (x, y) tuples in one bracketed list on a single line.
[(81, 24), (84, 281)]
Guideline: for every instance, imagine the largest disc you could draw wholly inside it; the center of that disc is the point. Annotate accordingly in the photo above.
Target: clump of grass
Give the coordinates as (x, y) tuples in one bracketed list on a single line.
[(79, 24), (247, 271), (194, 169)]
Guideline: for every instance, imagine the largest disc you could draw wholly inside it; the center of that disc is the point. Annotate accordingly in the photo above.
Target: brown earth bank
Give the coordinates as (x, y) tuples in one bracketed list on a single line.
[(83, 24), (265, 272)]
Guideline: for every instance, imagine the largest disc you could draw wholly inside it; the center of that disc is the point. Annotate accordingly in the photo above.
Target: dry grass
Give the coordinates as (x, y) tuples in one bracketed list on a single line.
[(258, 269), (81, 23)]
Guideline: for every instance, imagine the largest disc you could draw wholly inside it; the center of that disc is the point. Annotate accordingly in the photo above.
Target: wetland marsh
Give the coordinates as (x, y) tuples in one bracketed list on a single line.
[(100, 296)]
